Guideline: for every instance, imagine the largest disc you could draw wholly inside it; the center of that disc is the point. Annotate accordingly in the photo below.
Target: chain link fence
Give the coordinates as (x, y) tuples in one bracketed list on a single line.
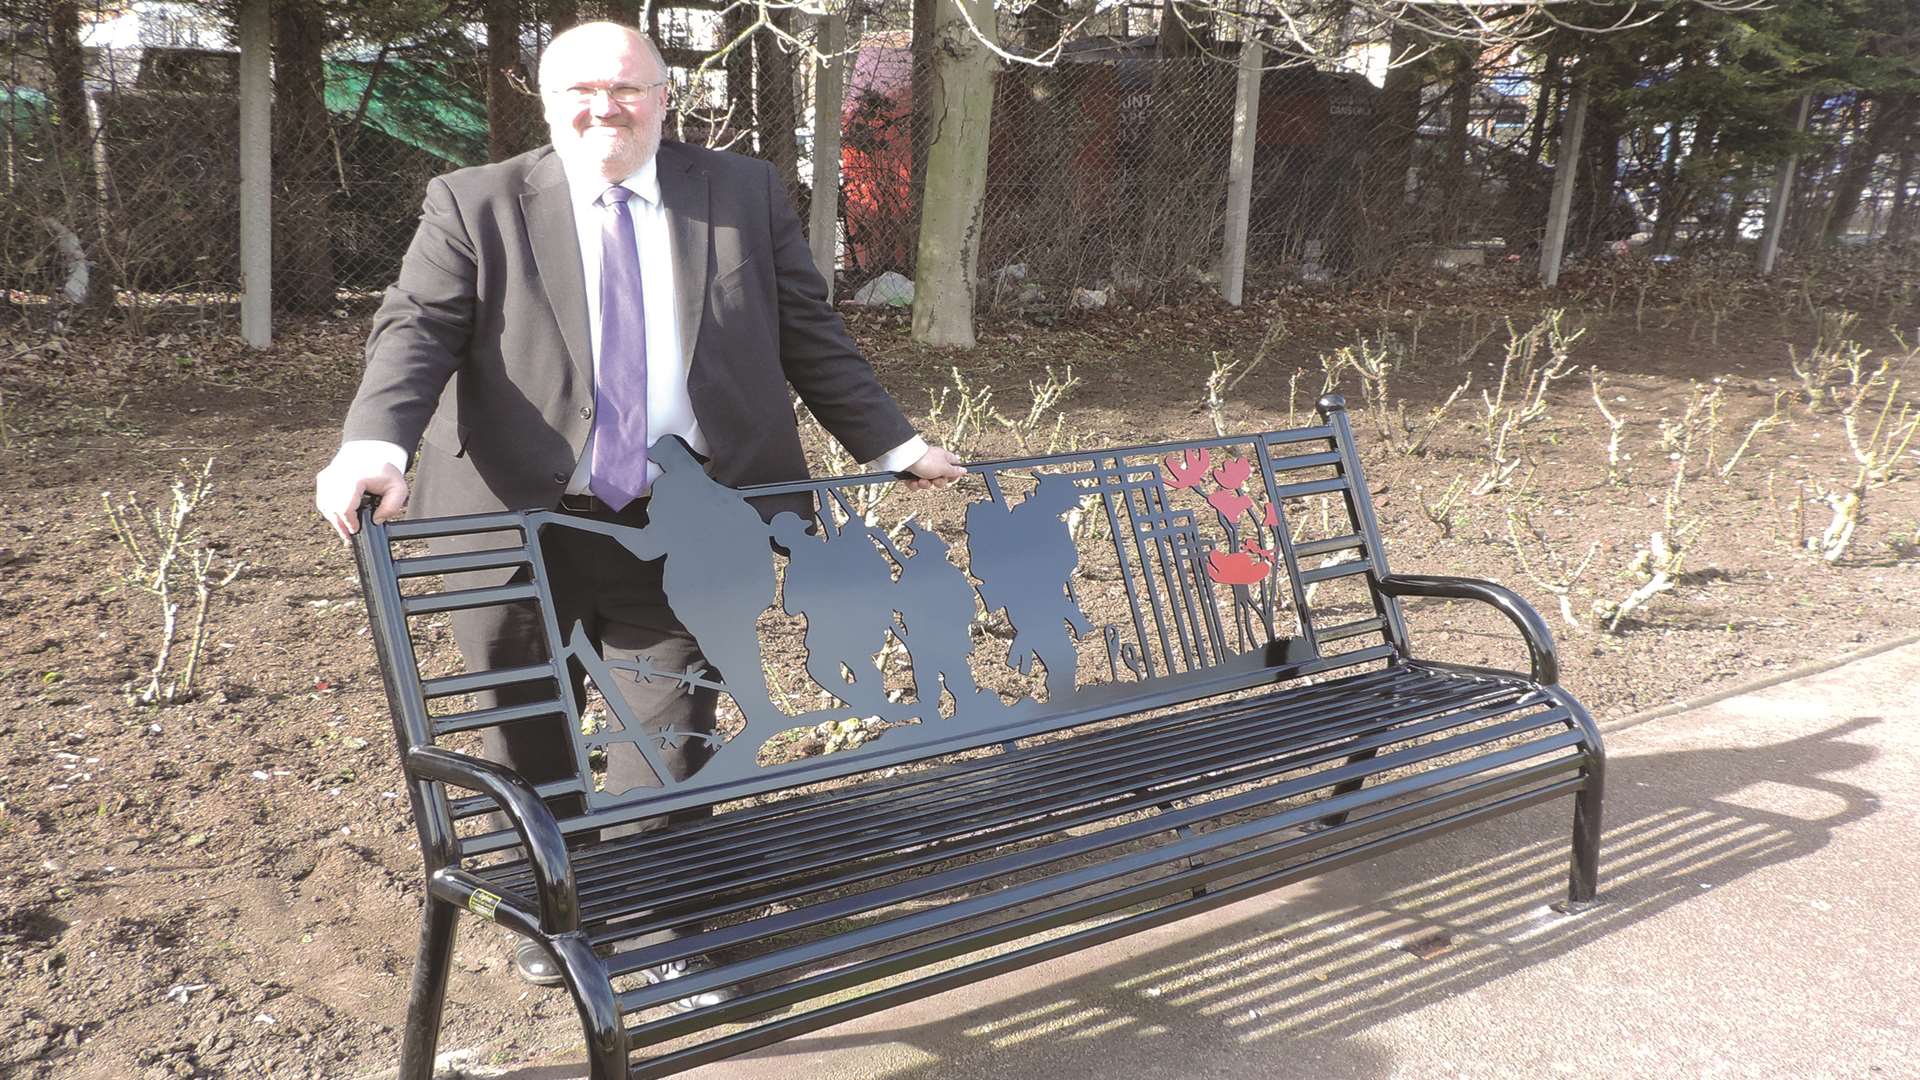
[(1107, 171)]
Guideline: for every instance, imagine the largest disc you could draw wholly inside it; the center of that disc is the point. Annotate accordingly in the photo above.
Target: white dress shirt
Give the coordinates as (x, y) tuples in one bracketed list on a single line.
[(669, 408)]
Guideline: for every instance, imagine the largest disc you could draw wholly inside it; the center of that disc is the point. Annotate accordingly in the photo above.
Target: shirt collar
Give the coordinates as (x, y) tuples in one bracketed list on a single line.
[(644, 182)]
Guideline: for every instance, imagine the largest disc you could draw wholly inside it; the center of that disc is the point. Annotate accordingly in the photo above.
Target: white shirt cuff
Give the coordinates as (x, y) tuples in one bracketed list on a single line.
[(900, 457), (370, 453)]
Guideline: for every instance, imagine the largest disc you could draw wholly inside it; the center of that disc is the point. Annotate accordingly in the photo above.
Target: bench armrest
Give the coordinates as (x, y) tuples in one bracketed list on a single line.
[(1546, 663), (540, 835)]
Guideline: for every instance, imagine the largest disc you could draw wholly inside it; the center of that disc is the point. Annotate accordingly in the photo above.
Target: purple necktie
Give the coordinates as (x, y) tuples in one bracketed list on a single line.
[(620, 384)]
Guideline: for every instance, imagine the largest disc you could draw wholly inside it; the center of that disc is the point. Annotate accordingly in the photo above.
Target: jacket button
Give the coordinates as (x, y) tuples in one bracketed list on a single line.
[(559, 478), (586, 412)]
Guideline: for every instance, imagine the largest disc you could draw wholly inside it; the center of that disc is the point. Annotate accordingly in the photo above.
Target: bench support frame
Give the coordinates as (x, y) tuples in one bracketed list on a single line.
[(1203, 627)]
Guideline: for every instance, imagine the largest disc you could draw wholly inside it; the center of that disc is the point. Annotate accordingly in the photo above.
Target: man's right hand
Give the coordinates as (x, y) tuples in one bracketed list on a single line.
[(338, 489)]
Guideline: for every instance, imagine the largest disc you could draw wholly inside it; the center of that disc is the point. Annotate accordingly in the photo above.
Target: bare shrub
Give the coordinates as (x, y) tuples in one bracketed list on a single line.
[(1534, 359), (1658, 563), (1615, 426), (1834, 351), (1879, 452), (1767, 423), (1373, 361), (1552, 572), (169, 558), (1228, 374), (1698, 425)]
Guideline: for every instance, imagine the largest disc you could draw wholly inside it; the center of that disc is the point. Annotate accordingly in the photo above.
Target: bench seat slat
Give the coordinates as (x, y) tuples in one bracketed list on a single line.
[(474, 805), (1352, 629), (462, 599), (795, 821), (1306, 461), (797, 1023), (1073, 773), (473, 682), (1014, 822), (428, 528), (454, 723), (1111, 866), (1308, 548), (461, 561), (999, 866), (1310, 487), (596, 820), (1200, 775), (1336, 570)]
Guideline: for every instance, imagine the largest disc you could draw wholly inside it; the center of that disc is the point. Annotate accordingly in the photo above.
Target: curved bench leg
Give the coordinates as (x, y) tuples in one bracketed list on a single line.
[(429, 996), (586, 979), (1346, 787), (1583, 880)]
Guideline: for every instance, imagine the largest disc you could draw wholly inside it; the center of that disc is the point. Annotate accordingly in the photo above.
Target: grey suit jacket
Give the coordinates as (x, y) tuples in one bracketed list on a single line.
[(480, 353)]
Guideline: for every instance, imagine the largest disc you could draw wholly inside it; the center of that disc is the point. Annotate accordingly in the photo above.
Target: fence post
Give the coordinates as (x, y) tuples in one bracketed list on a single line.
[(256, 196), (828, 93), (1246, 118), (1565, 167), (1782, 190)]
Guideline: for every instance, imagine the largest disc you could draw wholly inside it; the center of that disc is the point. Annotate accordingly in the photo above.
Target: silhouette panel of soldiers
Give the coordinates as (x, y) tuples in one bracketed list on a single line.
[(843, 585), (1025, 558), (936, 603), (718, 575)]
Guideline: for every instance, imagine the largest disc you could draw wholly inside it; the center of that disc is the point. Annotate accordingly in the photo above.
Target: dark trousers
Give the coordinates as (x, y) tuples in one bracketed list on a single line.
[(619, 602)]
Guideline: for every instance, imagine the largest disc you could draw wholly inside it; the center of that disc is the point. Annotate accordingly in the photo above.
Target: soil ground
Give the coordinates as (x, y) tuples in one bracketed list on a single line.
[(228, 887)]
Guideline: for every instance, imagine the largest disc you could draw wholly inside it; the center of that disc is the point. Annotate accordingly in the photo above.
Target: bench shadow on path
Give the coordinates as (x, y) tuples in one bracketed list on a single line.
[(1307, 969)]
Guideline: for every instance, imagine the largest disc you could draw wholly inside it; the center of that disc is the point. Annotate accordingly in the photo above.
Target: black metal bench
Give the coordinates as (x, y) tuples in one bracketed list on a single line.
[(1225, 700)]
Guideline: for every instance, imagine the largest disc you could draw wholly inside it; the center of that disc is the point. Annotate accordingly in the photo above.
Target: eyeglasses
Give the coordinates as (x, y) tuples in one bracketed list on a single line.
[(623, 94)]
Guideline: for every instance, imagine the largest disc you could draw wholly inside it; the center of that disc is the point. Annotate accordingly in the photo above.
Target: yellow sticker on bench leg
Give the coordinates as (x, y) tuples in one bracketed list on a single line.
[(483, 903)]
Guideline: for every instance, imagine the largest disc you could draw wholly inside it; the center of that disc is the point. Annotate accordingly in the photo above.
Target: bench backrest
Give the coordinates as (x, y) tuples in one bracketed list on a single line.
[(1046, 593)]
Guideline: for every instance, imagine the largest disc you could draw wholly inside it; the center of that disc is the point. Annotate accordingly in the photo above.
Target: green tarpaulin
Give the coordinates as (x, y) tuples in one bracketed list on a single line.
[(415, 104)]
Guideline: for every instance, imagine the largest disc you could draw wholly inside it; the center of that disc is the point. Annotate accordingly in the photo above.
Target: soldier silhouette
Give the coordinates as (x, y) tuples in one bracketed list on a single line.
[(1025, 558), (842, 584), (936, 603), (718, 575)]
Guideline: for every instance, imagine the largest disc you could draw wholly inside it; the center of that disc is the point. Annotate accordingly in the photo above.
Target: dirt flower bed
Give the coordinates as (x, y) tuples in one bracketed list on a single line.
[(228, 886)]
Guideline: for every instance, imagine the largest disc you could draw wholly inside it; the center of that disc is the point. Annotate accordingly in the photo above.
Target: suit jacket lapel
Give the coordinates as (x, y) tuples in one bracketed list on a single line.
[(548, 207), (683, 191)]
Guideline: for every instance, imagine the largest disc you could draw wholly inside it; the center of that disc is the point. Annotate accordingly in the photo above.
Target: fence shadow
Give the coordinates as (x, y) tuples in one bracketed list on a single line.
[(1320, 963)]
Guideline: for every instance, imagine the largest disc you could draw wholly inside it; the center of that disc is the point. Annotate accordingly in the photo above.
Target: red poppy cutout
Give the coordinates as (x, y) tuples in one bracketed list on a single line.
[(1235, 568), (1230, 503), (1233, 473), (1188, 467)]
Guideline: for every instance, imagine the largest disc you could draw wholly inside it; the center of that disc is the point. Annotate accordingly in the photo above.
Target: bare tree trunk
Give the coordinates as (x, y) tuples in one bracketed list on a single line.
[(962, 115), (1668, 214), (926, 19), (302, 166), (73, 137), (1598, 184), (739, 67), (1395, 128), (1180, 28), (1043, 24), (1546, 106), (1888, 122), (1902, 210), (510, 112), (776, 114), (561, 14), (1453, 175)]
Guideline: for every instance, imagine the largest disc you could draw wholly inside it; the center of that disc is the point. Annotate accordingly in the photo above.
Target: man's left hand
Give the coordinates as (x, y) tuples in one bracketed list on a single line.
[(938, 467)]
